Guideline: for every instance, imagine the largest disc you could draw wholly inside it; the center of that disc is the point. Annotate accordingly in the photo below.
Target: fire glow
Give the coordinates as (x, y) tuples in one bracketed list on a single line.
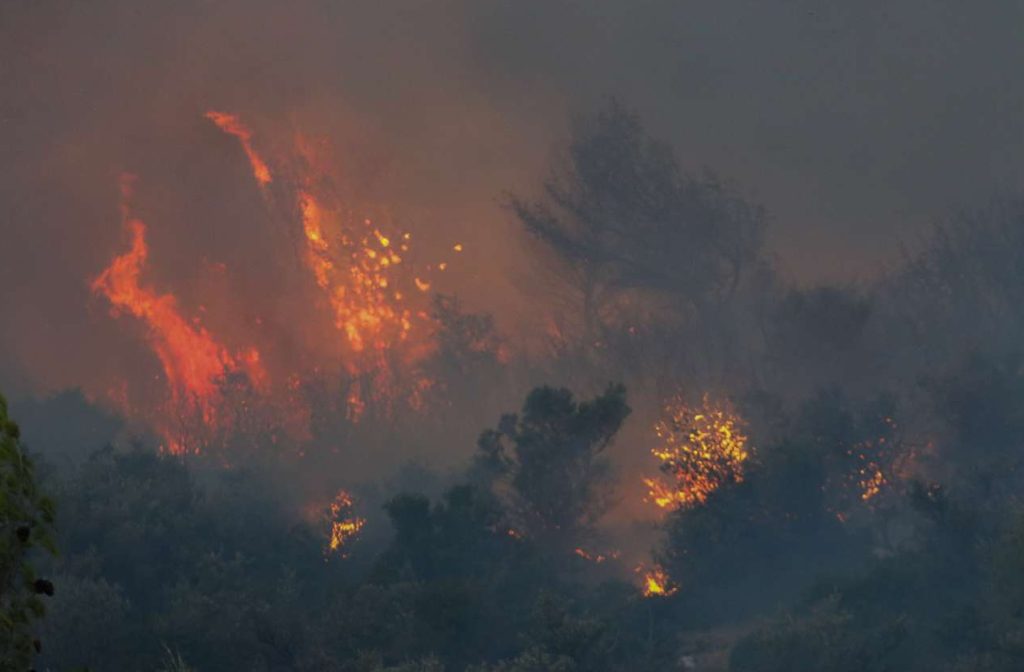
[(701, 449), (377, 299), (194, 362), (656, 582), (345, 525)]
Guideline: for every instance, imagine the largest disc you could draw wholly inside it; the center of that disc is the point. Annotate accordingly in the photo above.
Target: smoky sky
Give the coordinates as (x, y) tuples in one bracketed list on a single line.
[(854, 123)]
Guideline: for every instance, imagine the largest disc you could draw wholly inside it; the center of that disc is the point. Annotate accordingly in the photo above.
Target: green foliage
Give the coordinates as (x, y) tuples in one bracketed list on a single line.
[(26, 523)]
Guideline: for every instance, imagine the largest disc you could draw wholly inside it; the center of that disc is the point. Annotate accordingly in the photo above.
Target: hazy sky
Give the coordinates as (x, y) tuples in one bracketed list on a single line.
[(854, 123)]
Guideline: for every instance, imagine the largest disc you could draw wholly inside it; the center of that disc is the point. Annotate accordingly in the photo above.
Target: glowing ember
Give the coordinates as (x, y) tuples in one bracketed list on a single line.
[(194, 363), (345, 526), (871, 481), (701, 449), (656, 582), (363, 273), (596, 558), (232, 125), (874, 459)]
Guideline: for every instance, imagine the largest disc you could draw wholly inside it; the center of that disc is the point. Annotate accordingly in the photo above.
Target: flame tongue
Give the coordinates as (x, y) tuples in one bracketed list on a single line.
[(232, 125), (194, 363), (383, 332)]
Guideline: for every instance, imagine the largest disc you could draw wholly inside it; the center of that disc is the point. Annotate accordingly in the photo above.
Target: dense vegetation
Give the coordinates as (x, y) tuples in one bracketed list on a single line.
[(875, 526)]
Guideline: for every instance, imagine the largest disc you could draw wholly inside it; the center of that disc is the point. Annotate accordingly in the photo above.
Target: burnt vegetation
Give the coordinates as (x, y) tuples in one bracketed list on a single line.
[(846, 463)]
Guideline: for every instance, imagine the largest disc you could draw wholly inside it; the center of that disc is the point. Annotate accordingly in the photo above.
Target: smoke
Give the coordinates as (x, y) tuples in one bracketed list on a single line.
[(854, 124)]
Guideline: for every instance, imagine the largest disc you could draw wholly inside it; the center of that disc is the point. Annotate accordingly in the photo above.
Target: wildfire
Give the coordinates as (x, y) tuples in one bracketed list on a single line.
[(232, 125), (367, 283), (656, 582), (374, 293), (701, 449), (194, 362), (345, 526), (360, 273), (596, 558), (371, 288)]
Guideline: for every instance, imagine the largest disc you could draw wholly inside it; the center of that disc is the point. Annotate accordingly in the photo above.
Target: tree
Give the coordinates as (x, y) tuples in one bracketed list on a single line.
[(618, 216), (962, 289), (548, 461), (26, 522)]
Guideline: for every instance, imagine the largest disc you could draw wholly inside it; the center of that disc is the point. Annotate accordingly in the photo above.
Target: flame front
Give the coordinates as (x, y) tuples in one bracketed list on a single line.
[(701, 449), (377, 300), (193, 361)]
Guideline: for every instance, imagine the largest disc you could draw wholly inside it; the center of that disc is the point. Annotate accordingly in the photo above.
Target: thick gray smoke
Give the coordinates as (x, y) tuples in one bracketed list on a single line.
[(854, 123)]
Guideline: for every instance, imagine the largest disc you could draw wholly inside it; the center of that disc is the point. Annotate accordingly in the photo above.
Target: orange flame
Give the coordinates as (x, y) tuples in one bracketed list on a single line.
[(362, 272), (232, 125), (656, 582), (344, 525), (701, 449), (370, 292), (194, 363)]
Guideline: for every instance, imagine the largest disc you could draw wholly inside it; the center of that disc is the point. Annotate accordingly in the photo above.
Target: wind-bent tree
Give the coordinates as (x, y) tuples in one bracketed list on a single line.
[(618, 215), (26, 522), (548, 461)]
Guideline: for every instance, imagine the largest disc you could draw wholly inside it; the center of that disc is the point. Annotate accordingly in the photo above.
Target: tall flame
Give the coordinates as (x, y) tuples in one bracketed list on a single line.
[(194, 363), (377, 300)]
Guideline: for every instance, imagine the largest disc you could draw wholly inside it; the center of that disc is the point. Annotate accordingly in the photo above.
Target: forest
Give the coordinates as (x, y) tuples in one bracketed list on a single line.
[(696, 464)]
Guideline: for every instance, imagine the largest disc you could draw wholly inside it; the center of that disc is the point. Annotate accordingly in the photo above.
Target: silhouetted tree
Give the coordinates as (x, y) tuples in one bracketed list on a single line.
[(618, 216), (548, 461)]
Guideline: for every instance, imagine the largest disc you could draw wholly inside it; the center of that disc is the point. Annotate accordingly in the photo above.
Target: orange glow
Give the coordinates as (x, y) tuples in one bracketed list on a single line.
[(596, 558), (656, 582), (194, 362), (344, 525), (878, 461), (367, 282), (700, 450), (871, 481), (232, 125), (378, 338)]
